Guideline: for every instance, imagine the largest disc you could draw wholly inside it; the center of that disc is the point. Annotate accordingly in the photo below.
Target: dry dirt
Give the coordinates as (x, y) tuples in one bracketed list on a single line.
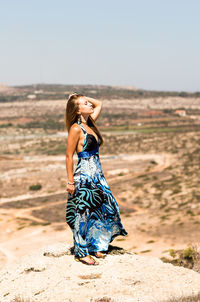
[(153, 176)]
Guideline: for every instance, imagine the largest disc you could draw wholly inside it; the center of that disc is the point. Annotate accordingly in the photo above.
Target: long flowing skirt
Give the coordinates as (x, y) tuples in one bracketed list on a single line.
[(92, 211)]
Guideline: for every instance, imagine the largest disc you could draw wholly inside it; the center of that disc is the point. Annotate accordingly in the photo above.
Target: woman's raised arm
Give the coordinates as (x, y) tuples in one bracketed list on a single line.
[(97, 107)]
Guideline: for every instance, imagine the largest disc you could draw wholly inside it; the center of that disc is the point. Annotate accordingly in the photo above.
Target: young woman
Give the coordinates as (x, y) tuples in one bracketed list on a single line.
[(91, 211)]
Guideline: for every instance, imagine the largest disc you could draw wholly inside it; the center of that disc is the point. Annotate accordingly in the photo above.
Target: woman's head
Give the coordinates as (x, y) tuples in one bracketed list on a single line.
[(85, 107), (77, 105)]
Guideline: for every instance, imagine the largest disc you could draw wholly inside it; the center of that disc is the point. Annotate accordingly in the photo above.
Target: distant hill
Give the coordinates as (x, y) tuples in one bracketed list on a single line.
[(6, 89), (61, 91)]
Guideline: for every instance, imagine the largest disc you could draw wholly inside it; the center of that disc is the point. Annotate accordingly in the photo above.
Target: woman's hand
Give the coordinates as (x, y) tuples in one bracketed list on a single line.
[(70, 188), (97, 107)]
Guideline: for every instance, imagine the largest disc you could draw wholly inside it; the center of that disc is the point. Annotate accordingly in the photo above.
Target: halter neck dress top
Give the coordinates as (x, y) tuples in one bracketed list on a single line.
[(92, 212), (90, 145)]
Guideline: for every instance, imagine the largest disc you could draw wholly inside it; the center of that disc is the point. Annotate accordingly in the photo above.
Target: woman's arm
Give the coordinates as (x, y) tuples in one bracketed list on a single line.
[(97, 107), (72, 140)]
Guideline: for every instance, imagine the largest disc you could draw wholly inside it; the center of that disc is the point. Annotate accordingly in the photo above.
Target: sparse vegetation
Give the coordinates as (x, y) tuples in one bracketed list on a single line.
[(48, 124), (35, 187), (164, 192), (145, 251), (189, 257), (57, 91), (151, 241)]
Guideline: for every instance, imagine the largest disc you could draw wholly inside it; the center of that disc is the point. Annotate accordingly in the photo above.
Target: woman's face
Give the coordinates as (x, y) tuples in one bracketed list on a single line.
[(85, 107)]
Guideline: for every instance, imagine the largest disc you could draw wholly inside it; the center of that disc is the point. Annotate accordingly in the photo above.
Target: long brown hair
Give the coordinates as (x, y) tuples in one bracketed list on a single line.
[(72, 117)]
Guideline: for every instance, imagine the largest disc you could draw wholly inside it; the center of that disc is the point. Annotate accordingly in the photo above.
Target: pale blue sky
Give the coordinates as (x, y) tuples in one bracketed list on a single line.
[(149, 44)]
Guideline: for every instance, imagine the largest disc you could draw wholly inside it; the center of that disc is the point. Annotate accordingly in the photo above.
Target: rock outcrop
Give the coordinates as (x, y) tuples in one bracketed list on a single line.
[(51, 274)]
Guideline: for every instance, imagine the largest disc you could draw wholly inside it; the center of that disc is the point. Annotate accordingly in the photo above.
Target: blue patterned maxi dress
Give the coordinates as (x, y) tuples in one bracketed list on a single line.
[(92, 211)]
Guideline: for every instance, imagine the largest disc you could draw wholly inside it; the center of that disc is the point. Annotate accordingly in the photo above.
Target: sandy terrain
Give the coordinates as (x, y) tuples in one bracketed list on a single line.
[(153, 175)]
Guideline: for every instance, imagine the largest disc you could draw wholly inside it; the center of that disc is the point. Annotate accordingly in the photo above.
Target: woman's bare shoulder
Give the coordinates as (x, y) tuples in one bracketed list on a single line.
[(75, 129)]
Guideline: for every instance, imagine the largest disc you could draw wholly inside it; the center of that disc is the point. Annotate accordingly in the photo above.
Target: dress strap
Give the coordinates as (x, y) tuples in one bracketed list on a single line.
[(79, 123), (85, 133)]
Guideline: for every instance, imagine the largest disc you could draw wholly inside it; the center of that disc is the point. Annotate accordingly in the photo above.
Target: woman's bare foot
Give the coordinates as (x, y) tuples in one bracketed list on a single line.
[(87, 260), (99, 255)]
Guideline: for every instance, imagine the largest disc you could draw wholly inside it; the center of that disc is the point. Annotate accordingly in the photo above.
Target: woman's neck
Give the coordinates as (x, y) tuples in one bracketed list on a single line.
[(84, 119)]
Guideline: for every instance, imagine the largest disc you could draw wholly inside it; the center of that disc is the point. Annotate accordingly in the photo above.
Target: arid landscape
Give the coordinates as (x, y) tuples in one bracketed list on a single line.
[(150, 158)]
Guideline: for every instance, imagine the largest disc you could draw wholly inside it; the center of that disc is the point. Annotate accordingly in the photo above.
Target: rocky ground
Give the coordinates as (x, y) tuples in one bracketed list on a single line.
[(52, 274)]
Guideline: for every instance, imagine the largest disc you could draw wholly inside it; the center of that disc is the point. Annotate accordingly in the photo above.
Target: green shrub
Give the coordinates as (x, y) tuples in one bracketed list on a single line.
[(6, 125), (35, 187)]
